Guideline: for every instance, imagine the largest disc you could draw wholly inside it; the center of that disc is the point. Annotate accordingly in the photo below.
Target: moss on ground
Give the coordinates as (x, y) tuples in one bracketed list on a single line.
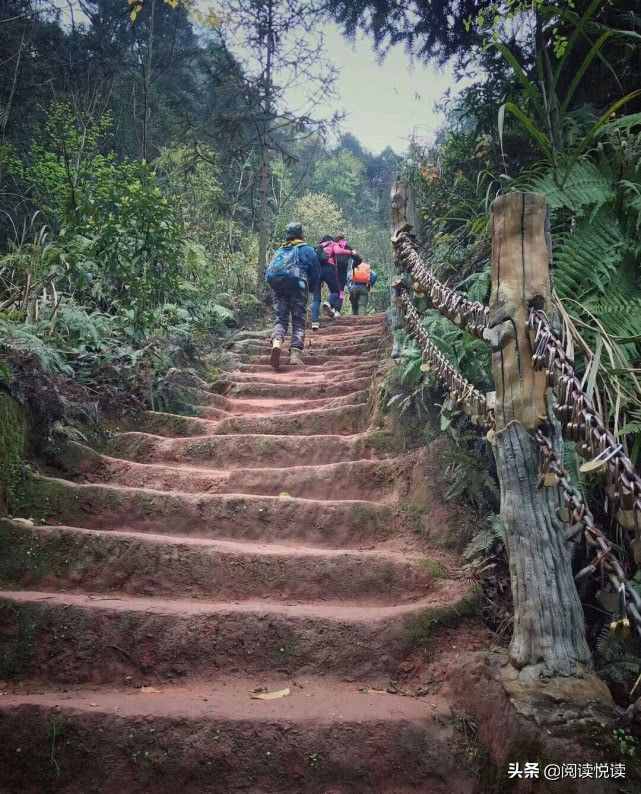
[(13, 442), (16, 654), (435, 568), (420, 628), (385, 441), (29, 556)]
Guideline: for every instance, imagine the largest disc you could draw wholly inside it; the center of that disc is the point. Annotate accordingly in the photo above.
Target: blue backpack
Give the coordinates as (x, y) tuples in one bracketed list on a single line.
[(284, 272)]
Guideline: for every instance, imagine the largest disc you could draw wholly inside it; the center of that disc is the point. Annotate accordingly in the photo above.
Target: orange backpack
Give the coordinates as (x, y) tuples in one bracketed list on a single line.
[(362, 274)]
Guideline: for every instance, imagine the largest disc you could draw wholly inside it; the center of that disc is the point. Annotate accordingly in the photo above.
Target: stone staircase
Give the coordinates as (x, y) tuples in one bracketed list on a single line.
[(207, 563)]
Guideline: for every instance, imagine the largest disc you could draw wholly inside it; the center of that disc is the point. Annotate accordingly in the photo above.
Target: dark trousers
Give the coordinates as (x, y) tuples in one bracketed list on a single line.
[(359, 298), (341, 271), (327, 276), (342, 266), (292, 303)]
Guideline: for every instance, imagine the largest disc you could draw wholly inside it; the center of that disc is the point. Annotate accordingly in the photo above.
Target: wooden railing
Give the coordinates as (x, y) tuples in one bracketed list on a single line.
[(538, 402)]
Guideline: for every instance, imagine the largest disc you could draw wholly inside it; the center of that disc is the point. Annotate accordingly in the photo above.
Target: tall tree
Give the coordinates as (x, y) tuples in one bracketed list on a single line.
[(281, 52)]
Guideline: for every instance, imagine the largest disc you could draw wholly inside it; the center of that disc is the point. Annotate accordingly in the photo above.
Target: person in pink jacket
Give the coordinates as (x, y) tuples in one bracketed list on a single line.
[(328, 251), (344, 264)]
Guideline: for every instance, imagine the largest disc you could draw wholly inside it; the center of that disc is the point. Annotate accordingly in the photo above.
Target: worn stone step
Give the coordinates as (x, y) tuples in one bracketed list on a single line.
[(196, 400), (106, 506), (318, 363), (69, 558), (238, 451), (344, 420), (311, 370), (338, 346), (213, 738), (81, 638), (374, 480), (264, 374), (270, 407), (280, 405), (269, 387)]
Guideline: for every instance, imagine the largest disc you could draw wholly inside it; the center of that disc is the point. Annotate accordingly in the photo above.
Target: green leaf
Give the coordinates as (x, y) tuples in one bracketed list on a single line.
[(530, 127), (530, 88)]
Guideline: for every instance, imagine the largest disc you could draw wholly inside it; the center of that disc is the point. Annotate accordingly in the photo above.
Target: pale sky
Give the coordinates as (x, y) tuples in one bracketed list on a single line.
[(385, 102)]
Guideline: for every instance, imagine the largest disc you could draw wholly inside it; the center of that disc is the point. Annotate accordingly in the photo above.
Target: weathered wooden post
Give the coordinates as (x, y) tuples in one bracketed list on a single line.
[(549, 634), (403, 219)]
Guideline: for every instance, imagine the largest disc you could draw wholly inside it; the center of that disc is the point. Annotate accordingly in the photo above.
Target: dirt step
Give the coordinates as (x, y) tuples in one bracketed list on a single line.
[(335, 347), (264, 374), (326, 736), (345, 420), (234, 452), (315, 371), (194, 399), (374, 480), (82, 638), (282, 405), (274, 388), (232, 516), (313, 364), (163, 423), (68, 558)]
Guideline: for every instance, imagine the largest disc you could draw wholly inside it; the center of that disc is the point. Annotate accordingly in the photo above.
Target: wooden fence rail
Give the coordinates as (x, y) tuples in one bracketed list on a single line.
[(528, 415)]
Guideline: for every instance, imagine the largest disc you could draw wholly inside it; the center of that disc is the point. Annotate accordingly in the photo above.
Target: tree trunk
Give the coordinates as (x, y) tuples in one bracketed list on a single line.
[(147, 81), (549, 634), (264, 219), (264, 213)]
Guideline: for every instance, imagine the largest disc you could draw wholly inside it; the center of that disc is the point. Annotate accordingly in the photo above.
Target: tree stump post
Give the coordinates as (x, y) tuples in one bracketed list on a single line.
[(549, 633)]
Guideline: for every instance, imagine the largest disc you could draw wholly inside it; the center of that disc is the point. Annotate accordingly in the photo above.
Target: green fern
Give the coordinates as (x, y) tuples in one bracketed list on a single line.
[(482, 544), (587, 259), (17, 337), (620, 313), (582, 188)]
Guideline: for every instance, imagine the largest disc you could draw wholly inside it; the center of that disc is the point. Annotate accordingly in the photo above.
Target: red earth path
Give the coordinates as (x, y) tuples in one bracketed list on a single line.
[(261, 546)]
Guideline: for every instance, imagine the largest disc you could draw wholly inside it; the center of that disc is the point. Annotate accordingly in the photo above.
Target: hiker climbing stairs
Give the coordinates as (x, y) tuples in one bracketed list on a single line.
[(219, 602)]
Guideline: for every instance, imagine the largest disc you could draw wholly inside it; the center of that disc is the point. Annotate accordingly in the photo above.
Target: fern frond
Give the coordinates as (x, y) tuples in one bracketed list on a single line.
[(587, 259), (581, 188), (620, 313)]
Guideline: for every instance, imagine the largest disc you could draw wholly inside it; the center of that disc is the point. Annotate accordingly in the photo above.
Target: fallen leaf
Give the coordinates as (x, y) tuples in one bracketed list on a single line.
[(279, 693), (150, 690), (284, 493)]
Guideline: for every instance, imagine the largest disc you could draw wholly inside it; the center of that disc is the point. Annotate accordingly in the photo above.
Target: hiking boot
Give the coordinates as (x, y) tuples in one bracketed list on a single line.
[(315, 326), (331, 313), (296, 357), (275, 356)]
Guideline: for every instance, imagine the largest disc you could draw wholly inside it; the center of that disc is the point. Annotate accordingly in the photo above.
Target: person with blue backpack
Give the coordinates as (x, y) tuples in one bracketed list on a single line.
[(292, 273)]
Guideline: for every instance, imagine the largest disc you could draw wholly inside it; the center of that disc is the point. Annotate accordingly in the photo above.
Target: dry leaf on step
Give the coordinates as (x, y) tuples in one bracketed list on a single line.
[(150, 690), (279, 693)]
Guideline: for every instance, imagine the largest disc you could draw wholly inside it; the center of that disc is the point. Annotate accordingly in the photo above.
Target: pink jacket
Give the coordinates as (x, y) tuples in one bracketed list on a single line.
[(333, 250)]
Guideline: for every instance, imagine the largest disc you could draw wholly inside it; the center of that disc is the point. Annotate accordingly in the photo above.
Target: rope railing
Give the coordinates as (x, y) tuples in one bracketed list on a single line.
[(581, 520), (461, 390), (456, 306), (581, 423), (579, 420)]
